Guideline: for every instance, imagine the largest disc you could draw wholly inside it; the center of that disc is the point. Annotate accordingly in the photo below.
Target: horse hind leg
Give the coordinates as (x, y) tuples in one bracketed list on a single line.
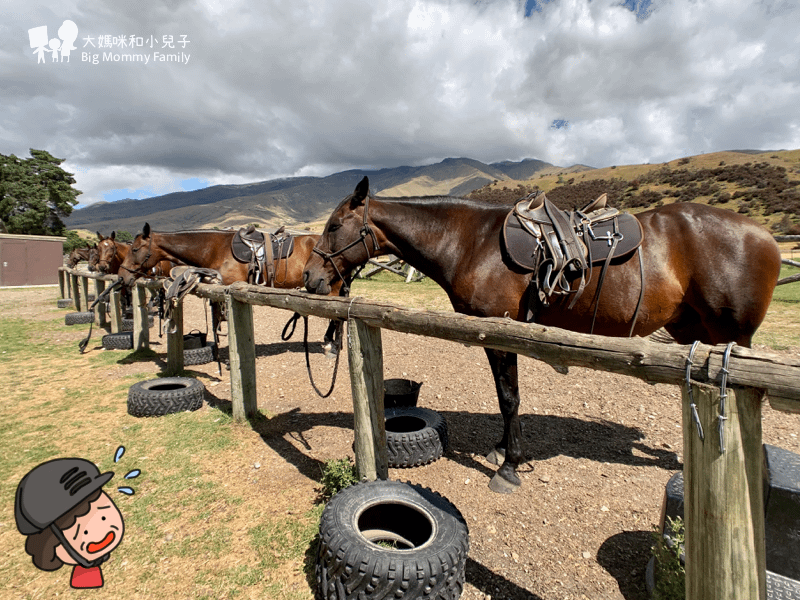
[(504, 370)]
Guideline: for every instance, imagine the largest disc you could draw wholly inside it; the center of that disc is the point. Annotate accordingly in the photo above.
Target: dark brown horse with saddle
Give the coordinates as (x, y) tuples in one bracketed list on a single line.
[(700, 272)]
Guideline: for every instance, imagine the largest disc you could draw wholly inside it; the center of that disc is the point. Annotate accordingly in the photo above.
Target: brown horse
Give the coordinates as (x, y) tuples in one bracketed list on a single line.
[(210, 249), (77, 255), (111, 255), (708, 275)]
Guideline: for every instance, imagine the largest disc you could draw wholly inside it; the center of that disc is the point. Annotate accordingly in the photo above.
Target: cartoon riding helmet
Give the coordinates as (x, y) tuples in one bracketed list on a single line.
[(51, 499)]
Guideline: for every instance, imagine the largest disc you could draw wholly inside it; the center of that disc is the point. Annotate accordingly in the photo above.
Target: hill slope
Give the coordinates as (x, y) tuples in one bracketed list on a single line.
[(764, 186)]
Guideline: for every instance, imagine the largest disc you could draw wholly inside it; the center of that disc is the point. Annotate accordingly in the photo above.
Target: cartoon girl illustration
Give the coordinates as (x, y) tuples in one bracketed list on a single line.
[(68, 518)]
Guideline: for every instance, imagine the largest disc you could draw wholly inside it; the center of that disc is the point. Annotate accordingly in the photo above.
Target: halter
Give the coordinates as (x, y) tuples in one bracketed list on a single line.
[(366, 231)]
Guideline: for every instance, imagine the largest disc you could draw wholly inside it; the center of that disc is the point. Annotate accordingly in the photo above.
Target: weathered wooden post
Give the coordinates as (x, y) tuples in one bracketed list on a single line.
[(365, 353), (84, 293), (175, 338), (242, 350), (62, 283), (723, 495), (116, 310), (100, 313), (76, 294), (141, 320)]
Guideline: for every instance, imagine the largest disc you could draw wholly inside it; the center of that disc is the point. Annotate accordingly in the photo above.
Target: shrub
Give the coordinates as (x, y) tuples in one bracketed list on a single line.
[(670, 574), (337, 474)]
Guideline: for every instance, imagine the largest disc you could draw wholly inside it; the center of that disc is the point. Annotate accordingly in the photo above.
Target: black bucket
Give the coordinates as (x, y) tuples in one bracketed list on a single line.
[(194, 340), (400, 392)]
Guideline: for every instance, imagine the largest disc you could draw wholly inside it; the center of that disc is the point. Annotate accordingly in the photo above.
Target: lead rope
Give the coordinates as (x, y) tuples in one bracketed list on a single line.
[(103, 295), (308, 359)]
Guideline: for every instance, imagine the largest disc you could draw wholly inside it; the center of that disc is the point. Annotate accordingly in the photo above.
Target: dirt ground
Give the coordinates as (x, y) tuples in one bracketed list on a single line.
[(599, 450)]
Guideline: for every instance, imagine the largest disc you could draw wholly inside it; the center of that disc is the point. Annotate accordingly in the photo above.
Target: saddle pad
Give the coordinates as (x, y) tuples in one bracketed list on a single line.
[(282, 247), (522, 247)]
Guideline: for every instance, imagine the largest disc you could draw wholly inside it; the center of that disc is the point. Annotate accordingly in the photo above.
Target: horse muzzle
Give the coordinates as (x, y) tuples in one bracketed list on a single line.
[(316, 284)]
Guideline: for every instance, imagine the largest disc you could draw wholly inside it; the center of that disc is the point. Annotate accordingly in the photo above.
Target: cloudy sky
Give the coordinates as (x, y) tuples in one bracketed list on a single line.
[(164, 95)]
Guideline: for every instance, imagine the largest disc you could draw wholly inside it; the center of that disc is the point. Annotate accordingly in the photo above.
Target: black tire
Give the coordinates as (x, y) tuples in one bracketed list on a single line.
[(157, 397), (199, 356), (65, 302), (79, 318), (118, 341), (414, 436), (127, 324), (388, 539)]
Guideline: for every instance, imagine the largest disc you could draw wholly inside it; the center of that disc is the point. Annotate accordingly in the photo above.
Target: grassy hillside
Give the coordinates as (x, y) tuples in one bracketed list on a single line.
[(764, 186)]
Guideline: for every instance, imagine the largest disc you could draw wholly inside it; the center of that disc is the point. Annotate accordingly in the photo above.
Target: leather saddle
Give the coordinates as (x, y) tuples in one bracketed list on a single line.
[(250, 246), (560, 246)]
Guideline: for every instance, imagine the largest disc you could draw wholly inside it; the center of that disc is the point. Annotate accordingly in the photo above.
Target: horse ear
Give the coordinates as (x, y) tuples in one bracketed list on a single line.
[(146, 231), (113, 235), (361, 192), (100, 236)]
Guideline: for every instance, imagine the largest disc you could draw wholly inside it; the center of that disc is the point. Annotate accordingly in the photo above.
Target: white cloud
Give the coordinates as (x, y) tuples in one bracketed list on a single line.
[(276, 89)]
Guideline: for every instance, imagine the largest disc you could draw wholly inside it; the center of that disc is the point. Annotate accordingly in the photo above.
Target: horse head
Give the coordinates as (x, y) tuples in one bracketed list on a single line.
[(106, 249), (349, 239), (75, 256), (141, 257), (94, 256)]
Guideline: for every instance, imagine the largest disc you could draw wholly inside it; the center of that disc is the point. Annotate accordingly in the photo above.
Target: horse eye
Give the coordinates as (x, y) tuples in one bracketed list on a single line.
[(334, 227)]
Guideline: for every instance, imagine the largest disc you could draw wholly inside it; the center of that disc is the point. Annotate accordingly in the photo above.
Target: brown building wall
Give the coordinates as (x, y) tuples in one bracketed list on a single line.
[(30, 259)]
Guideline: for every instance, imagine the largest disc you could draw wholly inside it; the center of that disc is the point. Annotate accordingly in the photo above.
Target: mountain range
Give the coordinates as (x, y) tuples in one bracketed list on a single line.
[(764, 185), (296, 201)]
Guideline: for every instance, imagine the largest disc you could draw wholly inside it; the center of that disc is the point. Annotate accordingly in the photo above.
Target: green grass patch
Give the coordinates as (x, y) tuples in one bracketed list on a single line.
[(789, 292)]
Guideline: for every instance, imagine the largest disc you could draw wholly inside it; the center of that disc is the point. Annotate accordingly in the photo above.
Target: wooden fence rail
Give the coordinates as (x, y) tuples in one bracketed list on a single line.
[(724, 510)]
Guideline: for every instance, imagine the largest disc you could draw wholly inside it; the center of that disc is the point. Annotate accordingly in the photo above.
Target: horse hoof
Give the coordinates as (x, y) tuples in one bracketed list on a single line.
[(497, 456), (330, 351), (501, 485)]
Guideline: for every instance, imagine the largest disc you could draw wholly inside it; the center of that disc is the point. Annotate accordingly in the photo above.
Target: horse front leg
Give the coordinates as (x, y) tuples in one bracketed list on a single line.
[(332, 342), (508, 451)]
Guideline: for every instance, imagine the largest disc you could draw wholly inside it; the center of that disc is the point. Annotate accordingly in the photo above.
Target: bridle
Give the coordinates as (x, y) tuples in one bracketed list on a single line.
[(366, 231), (139, 271)]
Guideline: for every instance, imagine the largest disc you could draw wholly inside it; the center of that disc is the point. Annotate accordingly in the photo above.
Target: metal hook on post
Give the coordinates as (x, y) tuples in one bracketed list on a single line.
[(723, 394), (695, 416)]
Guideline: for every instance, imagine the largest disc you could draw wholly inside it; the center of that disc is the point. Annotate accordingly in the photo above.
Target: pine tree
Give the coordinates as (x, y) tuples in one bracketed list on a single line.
[(35, 194)]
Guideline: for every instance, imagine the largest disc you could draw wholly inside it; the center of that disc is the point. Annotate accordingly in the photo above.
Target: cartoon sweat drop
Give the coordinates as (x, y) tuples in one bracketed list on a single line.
[(68, 518)]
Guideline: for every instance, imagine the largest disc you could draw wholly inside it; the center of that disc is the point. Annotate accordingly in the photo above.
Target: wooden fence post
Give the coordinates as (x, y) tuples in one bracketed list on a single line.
[(62, 283), (175, 339), (723, 495), (365, 353), (141, 319), (84, 294), (116, 311), (100, 313), (242, 350), (76, 294)]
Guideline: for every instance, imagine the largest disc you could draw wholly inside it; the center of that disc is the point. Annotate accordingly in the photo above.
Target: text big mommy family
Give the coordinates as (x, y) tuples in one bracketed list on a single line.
[(155, 57)]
